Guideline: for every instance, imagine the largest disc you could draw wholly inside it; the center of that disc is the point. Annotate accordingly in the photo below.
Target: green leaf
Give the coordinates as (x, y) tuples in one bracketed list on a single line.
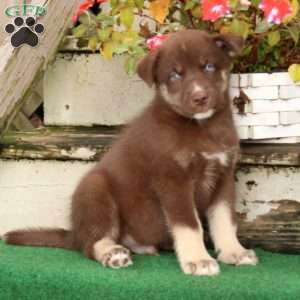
[(247, 50), (189, 5), (294, 32), (139, 3), (294, 72), (138, 51), (87, 18), (131, 64), (262, 26), (93, 43), (105, 20), (255, 2), (127, 17), (261, 53), (121, 49), (234, 3), (80, 30), (240, 27), (273, 38), (104, 34)]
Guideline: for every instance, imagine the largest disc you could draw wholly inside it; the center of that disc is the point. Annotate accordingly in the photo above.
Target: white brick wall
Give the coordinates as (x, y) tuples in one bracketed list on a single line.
[(244, 132), (265, 92), (234, 81), (289, 91), (244, 80), (292, 117), (262, 106), (290, 105), (267, 132), (274, 108), (248, 119), (273, 79)]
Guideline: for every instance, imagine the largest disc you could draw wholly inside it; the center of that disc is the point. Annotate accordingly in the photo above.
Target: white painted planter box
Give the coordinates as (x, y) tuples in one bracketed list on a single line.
[(85, 90), (44, 186)]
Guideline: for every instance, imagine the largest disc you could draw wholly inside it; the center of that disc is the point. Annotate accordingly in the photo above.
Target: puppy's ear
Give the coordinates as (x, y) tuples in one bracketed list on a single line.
[(230, 43), (147, 67)]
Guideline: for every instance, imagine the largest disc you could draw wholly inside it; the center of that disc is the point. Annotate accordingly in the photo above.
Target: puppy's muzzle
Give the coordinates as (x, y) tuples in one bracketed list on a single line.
[(199, 99)]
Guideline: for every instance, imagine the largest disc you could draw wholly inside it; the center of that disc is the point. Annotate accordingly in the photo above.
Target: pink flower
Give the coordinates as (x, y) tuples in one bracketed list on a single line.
[(275, 10), (84, 6), (212, 10), (156, 41)]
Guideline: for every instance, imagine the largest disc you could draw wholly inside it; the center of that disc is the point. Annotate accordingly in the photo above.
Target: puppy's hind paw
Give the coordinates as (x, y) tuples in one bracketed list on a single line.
[(245, 257), (208, 267)]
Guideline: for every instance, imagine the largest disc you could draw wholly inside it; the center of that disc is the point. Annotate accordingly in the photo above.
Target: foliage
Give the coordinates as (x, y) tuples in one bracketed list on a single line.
[(270, 28)]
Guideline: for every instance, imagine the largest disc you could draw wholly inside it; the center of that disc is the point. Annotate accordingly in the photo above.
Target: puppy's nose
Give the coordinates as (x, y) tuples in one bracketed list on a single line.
[(199, 98)]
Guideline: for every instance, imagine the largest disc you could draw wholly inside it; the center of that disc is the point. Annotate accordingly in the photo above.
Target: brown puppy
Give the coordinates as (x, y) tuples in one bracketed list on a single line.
[(172, 166)]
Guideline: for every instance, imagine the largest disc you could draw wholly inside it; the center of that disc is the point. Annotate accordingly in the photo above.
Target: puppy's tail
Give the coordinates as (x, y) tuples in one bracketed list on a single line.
[(57, 238)]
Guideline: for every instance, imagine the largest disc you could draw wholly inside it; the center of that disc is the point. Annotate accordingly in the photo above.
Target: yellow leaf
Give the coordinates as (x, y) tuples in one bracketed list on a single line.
[(295, 8), (128, 36), (127, 17), (104, 34), (93, 43), (107, 50), (240, 28), (117, 36), (196, 12), (159, 9), (294, 72)]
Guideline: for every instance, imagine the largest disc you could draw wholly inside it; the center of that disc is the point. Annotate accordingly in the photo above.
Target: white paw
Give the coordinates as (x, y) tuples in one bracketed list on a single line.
[(205, 267), (117, 257), (241, 257)]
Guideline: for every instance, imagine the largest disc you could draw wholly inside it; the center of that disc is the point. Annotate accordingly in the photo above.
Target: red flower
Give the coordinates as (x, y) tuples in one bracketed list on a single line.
[(275, 10), (84, 6), (156, 41), (214, 9)]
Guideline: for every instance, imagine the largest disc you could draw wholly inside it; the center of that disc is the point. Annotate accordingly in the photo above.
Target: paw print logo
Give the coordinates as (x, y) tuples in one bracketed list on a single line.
[(24, 32)]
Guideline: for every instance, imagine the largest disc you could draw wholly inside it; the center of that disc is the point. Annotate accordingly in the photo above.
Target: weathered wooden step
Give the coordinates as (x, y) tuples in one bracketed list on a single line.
[(88, 144)]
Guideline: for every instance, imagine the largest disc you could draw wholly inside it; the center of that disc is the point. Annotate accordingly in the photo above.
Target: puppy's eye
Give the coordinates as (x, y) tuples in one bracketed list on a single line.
[(174, 76), (209, 68)]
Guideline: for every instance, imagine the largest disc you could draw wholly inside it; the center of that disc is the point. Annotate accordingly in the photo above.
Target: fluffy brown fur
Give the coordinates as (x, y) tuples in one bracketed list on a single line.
[(171, 167)]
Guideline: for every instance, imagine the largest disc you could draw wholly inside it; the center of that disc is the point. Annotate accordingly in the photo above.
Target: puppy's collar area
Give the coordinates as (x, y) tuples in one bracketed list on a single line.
[(203, 116)]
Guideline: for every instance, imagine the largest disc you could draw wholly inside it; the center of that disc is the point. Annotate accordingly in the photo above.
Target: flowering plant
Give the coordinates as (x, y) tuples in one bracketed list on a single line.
[(270, 28)]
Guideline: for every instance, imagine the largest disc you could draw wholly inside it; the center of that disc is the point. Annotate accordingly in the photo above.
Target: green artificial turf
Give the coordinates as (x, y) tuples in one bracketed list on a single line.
[(40, 273)]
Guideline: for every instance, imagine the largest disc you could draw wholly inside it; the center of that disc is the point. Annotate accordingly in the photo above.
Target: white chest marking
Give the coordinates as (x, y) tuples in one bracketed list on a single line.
[(205, 115), (222, 157)]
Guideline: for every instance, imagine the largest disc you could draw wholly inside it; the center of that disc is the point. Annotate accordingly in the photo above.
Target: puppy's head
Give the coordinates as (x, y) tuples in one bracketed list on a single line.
[(191, 71)]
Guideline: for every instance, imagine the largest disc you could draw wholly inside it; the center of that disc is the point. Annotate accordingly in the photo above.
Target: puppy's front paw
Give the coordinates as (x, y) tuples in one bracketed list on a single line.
[(205, 267), (117, 257), (241, 257)]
